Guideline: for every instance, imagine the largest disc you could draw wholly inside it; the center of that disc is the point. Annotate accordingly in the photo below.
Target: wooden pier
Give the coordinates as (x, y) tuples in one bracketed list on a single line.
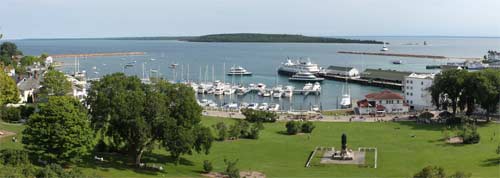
[(376, 83), (97, 54)]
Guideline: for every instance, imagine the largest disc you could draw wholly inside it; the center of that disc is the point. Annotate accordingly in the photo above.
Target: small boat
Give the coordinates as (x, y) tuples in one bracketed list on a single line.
[(316, 86), (433, 67), (345, 102), (264, 106), (274, 107), (94, 68), (238, 71), (397, 62), (384, 48), (307, 87), (96, 72), (173, 66), (305, 76), (288, 92), (315, 108), (267, 93), (253, 106), (152, 59), (241, 90), (129, 65), (278, 91)]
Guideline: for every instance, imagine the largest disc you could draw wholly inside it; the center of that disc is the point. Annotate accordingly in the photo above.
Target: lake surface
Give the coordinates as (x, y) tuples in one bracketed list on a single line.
[(260, 58)]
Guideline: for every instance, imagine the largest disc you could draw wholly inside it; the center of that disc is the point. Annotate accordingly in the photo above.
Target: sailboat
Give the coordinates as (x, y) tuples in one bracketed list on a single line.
[(345, 102)]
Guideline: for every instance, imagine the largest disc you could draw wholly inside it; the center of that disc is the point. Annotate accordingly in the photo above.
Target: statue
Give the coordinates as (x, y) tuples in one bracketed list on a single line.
[(344, 141)]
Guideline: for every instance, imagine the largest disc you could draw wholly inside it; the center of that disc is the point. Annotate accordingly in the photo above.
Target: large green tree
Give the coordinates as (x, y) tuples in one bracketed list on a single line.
[(55, 83), (492, 95), (133, 116), (7, 50), (448, 85), (60, 132), (8, 89)]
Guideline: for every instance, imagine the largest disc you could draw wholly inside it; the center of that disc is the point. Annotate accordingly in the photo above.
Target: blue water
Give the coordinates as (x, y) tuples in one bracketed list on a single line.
[(261, 58)]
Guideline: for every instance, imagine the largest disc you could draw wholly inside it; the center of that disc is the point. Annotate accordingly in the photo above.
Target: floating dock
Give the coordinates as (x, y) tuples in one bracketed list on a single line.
[(97, 54)]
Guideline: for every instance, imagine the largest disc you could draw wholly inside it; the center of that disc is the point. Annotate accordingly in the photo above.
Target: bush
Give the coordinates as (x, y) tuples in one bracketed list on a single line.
[(255, 130), (292, 127), (259, 116), (469, 134), (426, 115), (11, 114), (222, 131), (308, 127), (207, 166), (27, 111), (231, 170), (14, 157), (431, 172)]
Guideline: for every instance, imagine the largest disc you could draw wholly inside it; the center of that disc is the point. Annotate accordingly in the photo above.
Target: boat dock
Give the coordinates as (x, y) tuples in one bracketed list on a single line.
[(97, 54), (369, 82), (405, 55)]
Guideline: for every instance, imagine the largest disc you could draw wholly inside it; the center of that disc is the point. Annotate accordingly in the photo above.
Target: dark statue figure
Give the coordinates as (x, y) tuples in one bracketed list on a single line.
[(344, 141)]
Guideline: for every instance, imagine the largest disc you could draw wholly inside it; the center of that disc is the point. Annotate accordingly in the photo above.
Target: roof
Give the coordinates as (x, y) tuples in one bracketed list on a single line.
[(421, 76), (380, 107), (339, 68), (384, 95), (391, 75), (363, 103), (28, 84)]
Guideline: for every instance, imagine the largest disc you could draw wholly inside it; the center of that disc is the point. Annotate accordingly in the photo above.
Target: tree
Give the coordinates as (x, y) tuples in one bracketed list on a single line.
[(133, 116), (10, 114), (231, 170), (491, 100), (7, 50), (469, 134), (476, 89), (14, 157), (252, 115), (8, 89), (55, 83), (293, 127), (255, 130), (30, 60), (222, 131), (308, 127), (431, 172), (448, 85), (60, 132), (460, 174)]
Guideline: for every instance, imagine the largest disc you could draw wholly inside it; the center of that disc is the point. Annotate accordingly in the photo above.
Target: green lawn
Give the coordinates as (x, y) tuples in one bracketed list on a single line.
[(278, 155)]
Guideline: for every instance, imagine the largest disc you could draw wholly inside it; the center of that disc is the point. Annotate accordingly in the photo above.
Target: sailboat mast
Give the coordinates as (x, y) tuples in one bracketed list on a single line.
[(213, 73), (187, 78), (224, 69)]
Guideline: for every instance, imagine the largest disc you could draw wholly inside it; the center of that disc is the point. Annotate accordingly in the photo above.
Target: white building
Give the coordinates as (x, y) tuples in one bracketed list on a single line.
[(416, 91), (27, 89), (381, 103), (341, 71), (48, 61)]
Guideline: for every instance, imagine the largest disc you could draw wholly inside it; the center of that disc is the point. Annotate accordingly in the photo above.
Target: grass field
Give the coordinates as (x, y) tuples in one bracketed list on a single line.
[(279, 155)]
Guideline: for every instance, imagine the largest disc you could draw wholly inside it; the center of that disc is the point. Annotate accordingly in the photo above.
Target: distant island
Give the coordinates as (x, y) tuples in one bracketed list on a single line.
[(240, 37), (273, 38)]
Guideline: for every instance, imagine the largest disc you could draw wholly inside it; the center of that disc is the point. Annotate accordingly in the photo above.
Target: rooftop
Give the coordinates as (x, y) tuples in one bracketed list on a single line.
[(382, 74), (28, 84), (384, 95), (421, 76), (339, 68)]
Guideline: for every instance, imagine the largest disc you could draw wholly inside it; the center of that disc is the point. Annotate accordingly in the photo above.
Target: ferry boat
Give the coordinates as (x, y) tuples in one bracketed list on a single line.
[(305, 76), (290, 68), (239, 71)]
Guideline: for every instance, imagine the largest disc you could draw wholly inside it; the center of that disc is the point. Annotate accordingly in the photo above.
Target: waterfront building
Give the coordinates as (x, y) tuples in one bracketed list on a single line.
[(381, 103), (416, 91), (350, 72), (493, 56), (392, 76)]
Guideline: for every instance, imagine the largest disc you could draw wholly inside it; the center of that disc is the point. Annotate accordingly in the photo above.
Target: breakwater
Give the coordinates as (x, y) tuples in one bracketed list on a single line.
[(406, 55), (97, 54)]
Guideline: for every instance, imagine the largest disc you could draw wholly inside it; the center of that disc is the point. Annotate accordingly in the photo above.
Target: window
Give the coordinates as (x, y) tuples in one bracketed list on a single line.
[(422, 82), (397, 101), (411, 94)]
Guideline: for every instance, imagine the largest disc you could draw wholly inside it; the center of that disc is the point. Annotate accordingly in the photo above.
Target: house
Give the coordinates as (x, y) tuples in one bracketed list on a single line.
[(416, 91), (341, 71), (28, 87), (392, 76), (382, 102), (49, 60)]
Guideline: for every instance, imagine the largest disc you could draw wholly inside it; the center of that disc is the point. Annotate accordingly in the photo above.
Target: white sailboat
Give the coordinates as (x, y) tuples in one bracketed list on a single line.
[(345, 102), (384, 48)]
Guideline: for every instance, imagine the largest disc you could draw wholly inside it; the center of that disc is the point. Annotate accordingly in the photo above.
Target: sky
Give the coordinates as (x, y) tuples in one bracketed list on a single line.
[(21, 19)]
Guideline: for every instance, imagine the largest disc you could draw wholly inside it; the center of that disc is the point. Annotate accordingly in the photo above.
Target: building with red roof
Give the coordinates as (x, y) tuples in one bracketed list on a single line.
[(382, 102)]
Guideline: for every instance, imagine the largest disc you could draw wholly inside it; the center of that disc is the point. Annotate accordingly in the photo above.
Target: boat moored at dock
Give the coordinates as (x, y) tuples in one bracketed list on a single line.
[(290, 67), (305, 76)]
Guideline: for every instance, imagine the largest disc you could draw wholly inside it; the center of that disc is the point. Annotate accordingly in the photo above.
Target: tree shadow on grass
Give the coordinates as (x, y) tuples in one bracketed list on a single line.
[(417, 126), (116, 161), (162, 159), (283, 133), (491, 162)]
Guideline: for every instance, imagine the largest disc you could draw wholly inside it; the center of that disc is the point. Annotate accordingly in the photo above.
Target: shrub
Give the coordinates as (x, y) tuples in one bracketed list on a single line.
[(231, 170), (454, 120), (308, 127), (431, 172), (426, 115), (255, 130), (222, 131), (469, 134), (14, 157), (292, 127), (207, 166), (27, 111), (11, 114), (459, 174), (259, 116)]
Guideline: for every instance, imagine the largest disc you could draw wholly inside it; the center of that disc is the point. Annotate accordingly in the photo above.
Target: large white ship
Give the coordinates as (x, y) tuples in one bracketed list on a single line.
[(290, 67)]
